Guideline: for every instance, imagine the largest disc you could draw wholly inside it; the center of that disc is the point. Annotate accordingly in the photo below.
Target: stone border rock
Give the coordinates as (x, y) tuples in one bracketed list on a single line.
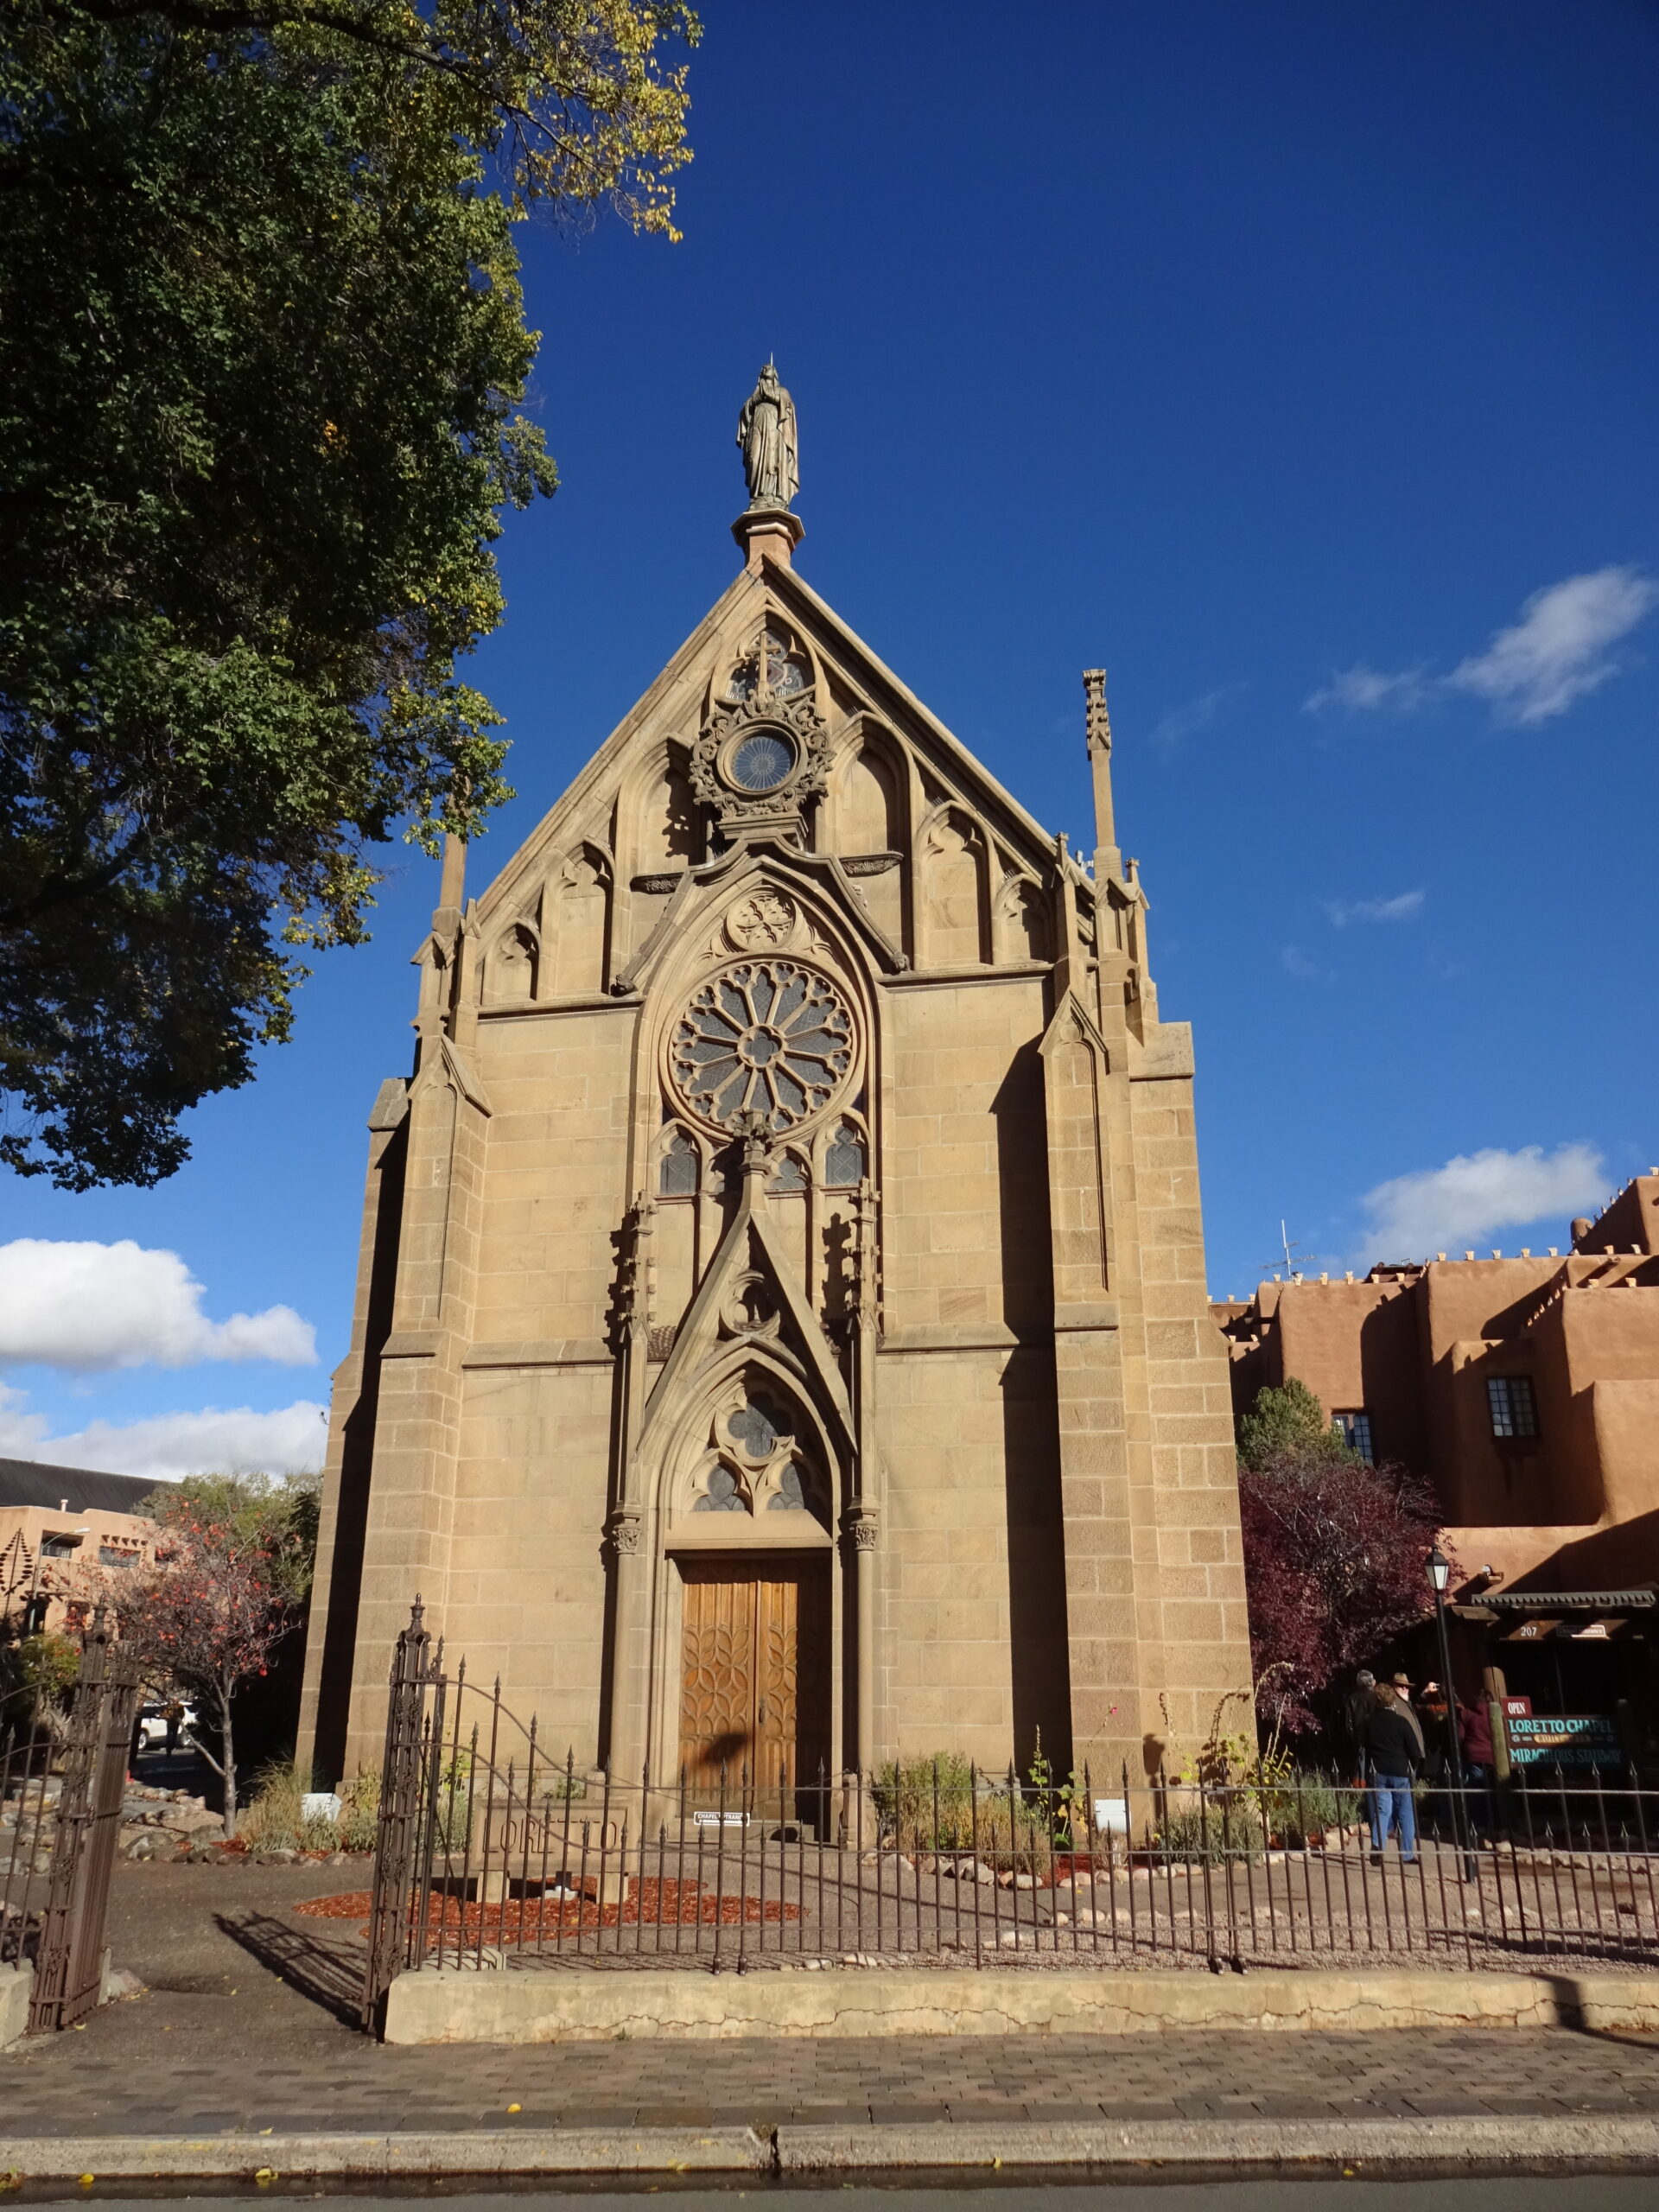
[(447, 2004)]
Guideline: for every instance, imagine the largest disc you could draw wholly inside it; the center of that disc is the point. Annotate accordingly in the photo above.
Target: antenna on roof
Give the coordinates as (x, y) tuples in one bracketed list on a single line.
[(1290, 1256)]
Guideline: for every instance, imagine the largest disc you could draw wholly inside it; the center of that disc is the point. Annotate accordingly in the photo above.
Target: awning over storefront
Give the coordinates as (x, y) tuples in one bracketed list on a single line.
[(1566, 1601)]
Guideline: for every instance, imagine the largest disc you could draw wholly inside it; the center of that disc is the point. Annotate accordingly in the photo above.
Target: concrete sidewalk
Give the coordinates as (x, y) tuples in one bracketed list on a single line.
[(239, 2055)]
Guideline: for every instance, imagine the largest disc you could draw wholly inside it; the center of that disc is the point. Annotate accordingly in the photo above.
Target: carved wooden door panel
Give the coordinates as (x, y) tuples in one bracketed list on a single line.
[(717, 1697), (777, 1680), (754, 1674)]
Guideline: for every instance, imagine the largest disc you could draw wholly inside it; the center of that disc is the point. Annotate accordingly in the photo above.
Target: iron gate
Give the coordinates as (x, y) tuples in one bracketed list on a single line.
[(56, 1899)]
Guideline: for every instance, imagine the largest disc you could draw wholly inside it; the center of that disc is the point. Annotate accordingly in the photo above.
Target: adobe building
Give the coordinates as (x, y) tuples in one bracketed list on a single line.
[(1526, 1389), (781, 1334), (59, 1528)]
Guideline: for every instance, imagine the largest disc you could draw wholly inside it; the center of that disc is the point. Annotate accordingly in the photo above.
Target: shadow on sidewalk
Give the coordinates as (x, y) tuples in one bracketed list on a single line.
[(329, 1972), (1565, 1988)]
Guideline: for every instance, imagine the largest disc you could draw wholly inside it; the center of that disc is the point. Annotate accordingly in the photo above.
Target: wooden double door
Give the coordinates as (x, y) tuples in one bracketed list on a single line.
[(754, 1673)]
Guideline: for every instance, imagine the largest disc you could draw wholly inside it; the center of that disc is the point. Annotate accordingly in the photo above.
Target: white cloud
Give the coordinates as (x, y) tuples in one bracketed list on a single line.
[(1560, 649), (1181, 723), (89, 1306), (291, 1441), (1295, 962), (1362, 688), (1404, 907), (1475, 1194)]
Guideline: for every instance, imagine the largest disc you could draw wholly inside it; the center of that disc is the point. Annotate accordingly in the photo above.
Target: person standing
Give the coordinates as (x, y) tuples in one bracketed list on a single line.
[(1394, 1747), (1475, 1744), (1400, 1685), (1357, 1711), (173, 1717)]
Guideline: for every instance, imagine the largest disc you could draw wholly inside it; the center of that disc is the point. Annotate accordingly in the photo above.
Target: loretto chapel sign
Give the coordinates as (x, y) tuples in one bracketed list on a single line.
[(781, 1331)]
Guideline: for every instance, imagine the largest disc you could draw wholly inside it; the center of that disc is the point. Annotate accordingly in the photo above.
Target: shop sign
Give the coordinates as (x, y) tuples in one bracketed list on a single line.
[(1517, 1708), (1564, 1739)]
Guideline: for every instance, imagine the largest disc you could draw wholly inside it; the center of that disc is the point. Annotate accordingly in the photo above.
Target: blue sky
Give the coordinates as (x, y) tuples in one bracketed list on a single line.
[(1272, 355)]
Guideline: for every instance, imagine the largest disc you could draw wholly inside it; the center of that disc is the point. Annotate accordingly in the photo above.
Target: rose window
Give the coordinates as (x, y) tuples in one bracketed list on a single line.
[(767, 1036), (762, 761)]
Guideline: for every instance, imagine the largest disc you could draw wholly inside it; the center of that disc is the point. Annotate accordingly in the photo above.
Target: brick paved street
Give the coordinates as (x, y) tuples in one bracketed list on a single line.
[(235, 2032)]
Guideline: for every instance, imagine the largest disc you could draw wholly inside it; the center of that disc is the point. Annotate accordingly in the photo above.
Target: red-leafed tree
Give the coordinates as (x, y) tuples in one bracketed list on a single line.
[(1334, 1553), (232, 1564)]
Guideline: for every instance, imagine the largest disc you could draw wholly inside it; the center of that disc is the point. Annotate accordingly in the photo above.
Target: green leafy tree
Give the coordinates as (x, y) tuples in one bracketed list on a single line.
[(275, 1515), (262, 356), (1290, 1420)]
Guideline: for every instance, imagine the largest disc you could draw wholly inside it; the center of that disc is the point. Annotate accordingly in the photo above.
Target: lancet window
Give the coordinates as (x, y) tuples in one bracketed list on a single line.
[(680, 1169), (845, 1161)]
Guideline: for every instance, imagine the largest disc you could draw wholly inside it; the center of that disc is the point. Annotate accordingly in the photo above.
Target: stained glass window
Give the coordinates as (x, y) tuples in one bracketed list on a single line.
[(766, 1035), (722, 1494), (761, 761), (677, 1176), (790, 1496), (843, 1163), (758, 1426)]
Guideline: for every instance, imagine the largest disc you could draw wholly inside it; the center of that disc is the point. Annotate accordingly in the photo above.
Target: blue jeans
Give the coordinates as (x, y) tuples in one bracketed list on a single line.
[(1391, 1802)]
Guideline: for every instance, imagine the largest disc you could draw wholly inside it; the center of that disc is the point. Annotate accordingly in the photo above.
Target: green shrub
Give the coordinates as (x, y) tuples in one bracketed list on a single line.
[(1306, 1804), (276, 1819), (926, 1804), (1227, 1827), (360, 1810)]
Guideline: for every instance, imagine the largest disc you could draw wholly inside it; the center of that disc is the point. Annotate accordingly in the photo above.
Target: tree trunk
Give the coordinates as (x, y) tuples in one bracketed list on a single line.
[(228, 1768)]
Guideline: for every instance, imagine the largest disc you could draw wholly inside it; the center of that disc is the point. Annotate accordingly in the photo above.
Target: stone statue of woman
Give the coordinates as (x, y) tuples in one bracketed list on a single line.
[(765, 431)]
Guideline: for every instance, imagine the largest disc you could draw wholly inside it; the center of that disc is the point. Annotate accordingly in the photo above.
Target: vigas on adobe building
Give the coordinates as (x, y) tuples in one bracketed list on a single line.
[(781, 1334)]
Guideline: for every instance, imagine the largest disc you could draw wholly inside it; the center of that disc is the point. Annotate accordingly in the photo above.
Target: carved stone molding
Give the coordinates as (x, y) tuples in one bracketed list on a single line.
[(727, 765), (623, 1534)]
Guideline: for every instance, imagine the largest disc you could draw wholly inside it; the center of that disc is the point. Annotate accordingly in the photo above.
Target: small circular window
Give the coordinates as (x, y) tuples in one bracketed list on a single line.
[(762, 762)]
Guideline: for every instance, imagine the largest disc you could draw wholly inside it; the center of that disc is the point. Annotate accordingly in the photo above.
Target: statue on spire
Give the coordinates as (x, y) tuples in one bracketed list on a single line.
[(766, 432)]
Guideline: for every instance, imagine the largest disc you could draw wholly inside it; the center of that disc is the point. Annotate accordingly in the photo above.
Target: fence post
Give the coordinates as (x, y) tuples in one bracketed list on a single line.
[(398, 1835), (69, 1968)]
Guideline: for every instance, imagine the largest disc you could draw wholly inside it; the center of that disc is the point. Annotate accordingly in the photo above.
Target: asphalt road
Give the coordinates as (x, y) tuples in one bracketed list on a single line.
[(1515, 2193)]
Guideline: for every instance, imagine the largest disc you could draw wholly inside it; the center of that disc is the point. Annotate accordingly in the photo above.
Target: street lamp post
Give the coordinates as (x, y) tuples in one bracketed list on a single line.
[(1440, 1573)]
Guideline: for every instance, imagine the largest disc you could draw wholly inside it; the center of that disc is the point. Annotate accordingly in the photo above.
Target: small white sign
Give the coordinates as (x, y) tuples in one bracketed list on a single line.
[(1111, 1816), (319, 1805), (721, 1819)]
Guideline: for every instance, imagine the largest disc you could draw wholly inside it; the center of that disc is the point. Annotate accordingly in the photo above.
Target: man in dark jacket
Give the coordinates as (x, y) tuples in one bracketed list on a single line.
[(1361, 1704), (1396, 1754)]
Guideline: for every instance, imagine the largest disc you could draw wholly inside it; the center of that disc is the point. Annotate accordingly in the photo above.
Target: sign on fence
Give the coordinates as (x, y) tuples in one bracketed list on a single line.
[(1564, 1739)]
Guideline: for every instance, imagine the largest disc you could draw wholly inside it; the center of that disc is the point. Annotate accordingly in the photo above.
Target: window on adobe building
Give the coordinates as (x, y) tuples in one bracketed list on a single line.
[(115, 1555), (1355, 1432), (1513, 1409), (54, 1546)]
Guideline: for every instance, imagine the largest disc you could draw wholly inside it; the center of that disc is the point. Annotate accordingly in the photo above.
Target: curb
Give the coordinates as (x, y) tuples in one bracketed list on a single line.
[(499, 2151), (1473, 2141)]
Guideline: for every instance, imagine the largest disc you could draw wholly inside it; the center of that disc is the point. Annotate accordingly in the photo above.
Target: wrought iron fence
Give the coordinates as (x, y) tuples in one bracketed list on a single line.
[(63, 1826), (492, 1854)]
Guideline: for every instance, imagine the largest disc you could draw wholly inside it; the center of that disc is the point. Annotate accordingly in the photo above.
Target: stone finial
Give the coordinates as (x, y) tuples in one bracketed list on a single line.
[(1097, 730), (1097, 722), (754, 1137)]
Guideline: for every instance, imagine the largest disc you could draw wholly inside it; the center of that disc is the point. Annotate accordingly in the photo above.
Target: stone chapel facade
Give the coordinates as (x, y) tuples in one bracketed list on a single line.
[(781, 1335)]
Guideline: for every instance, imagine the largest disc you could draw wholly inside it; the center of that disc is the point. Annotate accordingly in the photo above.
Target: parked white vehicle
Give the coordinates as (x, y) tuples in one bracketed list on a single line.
[(152, 1726)]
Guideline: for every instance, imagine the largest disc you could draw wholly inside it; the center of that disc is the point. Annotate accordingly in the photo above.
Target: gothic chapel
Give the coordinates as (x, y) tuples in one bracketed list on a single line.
[(781, 1336)]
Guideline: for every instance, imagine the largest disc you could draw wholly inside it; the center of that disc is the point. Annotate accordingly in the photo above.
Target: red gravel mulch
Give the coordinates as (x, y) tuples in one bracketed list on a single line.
[(521, 1920)]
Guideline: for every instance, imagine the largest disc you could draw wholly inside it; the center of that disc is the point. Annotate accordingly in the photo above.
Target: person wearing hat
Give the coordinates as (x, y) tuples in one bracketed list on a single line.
[(1400, 1685)]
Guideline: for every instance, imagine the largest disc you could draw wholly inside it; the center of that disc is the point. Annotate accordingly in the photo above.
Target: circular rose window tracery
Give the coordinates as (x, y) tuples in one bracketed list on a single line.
[(766, 1035)]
